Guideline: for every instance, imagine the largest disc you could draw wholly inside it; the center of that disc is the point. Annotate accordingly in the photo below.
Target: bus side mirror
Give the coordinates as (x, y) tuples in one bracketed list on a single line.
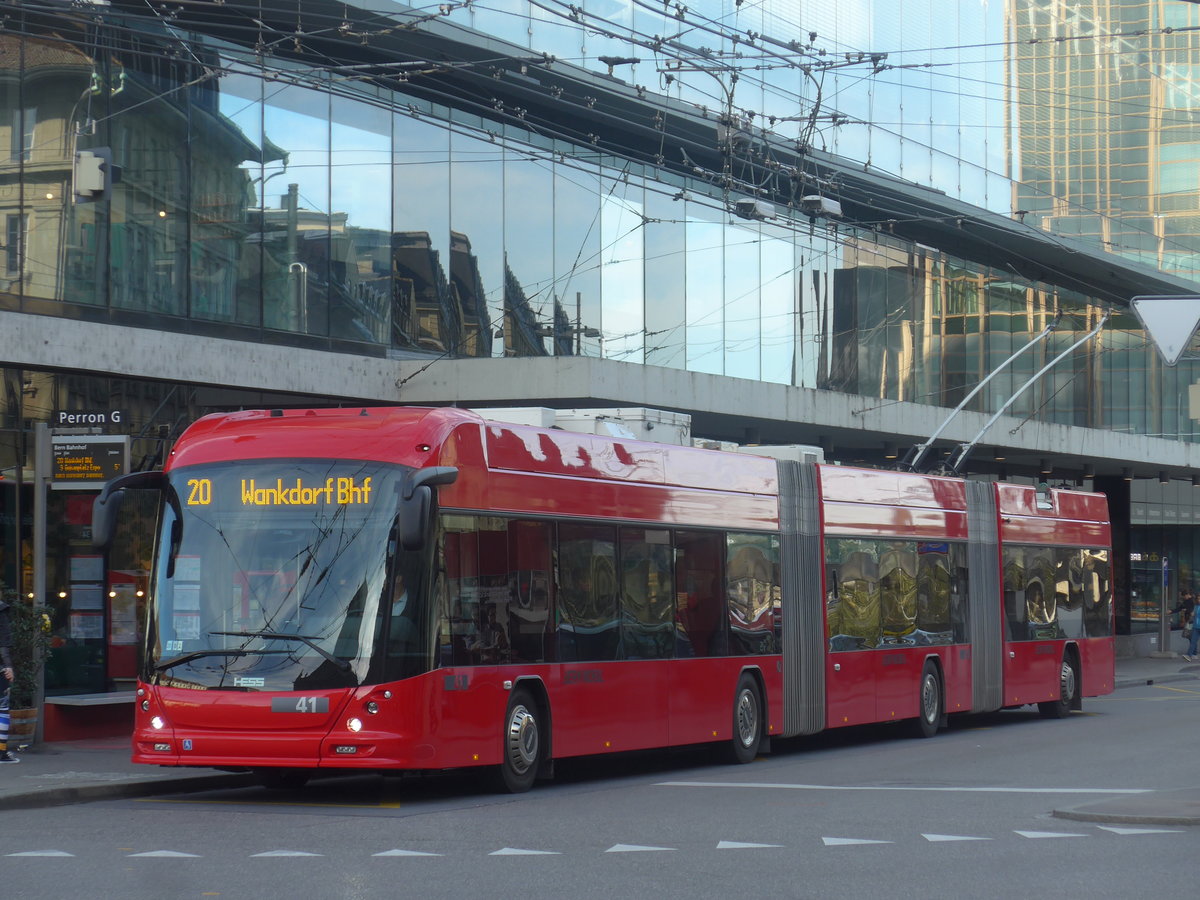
[(416, 501), (107, 504), (412, 520)]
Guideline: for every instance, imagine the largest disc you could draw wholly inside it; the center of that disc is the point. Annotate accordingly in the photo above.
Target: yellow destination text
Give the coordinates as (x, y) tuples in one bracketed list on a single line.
[(335, 490)]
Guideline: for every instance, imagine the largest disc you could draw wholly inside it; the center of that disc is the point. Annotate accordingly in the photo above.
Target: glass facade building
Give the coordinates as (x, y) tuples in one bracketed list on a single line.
[(693, 188)]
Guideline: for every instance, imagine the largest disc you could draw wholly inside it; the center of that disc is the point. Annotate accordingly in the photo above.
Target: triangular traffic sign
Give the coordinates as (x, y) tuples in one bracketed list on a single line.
[(1170, 322)]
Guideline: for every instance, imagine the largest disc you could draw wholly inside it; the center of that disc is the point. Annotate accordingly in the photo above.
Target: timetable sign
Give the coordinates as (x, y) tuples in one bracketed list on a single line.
[(87, 461)]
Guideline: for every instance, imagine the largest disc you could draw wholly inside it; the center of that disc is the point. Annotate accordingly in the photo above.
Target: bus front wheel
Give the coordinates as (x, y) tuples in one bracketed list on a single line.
[(747, 721), (522, 743)]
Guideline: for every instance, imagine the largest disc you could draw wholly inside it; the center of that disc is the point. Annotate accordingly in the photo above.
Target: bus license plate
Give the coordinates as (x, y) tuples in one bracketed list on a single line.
[(300, 704)]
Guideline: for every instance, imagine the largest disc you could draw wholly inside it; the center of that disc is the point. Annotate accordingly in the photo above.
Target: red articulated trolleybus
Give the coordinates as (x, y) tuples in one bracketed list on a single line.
[(424, 589)]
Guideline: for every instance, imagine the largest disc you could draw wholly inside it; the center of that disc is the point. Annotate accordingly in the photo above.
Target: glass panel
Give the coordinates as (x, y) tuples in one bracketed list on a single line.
[(474, 567), (587, 593), (701, 626), (577, 251), (666, 279), (296, 220), (852, 598), (647, 595), (935, 588), (741, 309), (530, 566), (778, 270), (283, 593), (361, 196), (477, 243), (898, 592), (537, 324), (238, 199), (1097, 594), (149, 207), (752, 593), (705, 295), (622, 271)]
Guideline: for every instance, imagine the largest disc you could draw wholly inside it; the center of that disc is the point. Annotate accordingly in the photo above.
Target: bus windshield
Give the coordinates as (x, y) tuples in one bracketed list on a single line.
[(275, 575)]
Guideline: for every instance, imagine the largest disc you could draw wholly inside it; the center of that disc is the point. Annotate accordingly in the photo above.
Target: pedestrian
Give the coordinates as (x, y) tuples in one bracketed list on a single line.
[(1191, 654), (1185, 608), (6, 679)]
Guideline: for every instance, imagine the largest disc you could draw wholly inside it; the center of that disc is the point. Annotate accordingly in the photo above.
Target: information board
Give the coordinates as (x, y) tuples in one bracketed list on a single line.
[(87, 461)]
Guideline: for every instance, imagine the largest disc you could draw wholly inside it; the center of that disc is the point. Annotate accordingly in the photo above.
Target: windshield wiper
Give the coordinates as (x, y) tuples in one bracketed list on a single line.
[(276, 636), (196, 654)]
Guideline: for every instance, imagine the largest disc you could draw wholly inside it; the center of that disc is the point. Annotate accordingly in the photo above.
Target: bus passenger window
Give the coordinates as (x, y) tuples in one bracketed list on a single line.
[(701, 627), (852, 618), (588, 626)]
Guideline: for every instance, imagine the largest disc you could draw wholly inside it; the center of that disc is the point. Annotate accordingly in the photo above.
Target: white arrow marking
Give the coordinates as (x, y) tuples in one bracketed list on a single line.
[(514, 851), (935, 838), (283, 853), (1048, 834), (172, 854), (738, 845), (842, 842), (404, 853), (41, 853), (1115, 830), (633, 848)]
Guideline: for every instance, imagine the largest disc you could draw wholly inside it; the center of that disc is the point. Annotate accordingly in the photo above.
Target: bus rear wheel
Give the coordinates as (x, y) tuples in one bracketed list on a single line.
[(929, 703), (747, 722), (1068, 686), (522, 744)]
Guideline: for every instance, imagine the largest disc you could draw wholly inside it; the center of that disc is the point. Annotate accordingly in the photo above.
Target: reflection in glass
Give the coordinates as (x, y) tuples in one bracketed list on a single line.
[(296, 231)]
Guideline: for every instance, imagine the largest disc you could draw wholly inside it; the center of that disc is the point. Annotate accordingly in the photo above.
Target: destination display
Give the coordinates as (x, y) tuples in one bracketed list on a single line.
[(288, 491)]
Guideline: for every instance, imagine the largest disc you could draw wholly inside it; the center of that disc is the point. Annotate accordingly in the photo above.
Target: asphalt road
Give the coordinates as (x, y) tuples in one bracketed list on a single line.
[(863, 813)]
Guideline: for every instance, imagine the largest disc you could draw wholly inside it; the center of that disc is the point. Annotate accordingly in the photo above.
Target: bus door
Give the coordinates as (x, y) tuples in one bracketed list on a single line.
[(1032, 645), (852, 623)]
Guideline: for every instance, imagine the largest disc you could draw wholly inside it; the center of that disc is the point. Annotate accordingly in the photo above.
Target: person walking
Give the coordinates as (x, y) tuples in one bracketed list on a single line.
[(6, 678), (1191, 653)]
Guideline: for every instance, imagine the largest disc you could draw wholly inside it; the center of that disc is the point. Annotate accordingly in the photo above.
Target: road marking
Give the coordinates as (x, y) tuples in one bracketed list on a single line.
[(633, 848), (165, 854), (283, 853), (931, 788), (310, 805), (1116, 830), (1163, 687), (938, 838), (738, 845), (845, 842), (405, 853), (41, 853), (513, 851), (1047, 834)]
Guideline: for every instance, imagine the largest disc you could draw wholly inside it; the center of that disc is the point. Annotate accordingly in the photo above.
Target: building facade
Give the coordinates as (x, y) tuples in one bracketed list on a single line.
[(818, 225)]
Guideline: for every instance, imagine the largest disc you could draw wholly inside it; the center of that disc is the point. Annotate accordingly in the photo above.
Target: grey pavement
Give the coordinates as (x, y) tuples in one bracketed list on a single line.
[(55, 774)]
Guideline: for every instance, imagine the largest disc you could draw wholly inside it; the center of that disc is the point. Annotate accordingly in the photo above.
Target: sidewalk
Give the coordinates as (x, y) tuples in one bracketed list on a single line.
[(79, 771)]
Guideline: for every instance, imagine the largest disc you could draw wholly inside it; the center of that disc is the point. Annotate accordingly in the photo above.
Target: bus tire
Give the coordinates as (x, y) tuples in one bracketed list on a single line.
[(1068, 687), (282, 779), (929, 703), (522, 743), (747, 721)]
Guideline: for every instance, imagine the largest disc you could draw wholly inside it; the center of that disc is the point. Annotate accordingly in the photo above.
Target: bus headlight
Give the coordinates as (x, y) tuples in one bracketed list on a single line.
[(158, 723), (372, 707), (354, 724)]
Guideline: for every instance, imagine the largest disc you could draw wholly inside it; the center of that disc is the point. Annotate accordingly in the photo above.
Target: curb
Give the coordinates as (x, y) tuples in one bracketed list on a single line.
[(65, 796), (1157, 679), (1079, 815)]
